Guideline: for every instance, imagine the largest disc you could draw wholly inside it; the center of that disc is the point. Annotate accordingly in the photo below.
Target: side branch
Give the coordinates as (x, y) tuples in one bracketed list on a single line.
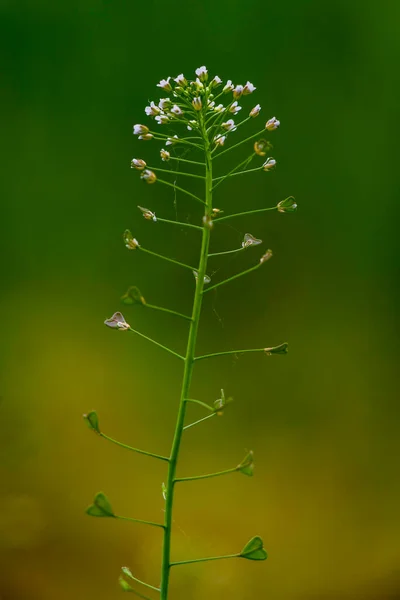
[(140, 521), (176, 187), (242, 214), (137, 450), (179, 223), (196, 477), (171, 260), (197, 560), (176, 172), (229, 352), (200, 421), (167, 310), (157, 344), (208, 289)]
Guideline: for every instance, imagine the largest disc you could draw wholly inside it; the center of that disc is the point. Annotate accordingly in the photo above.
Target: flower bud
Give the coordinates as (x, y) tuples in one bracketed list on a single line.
[(146, 136), (202, 74), (260, 147), (272, 124), (215, 82), (197, 103), (281, 349), (266, 257), (165, 103), (219, 108), (192, 124), (165, 155), (207, 222), (117, 321), (181, 80), (220, 140), (238, 91), (138, 163), (255, 111), (162, 119), (250, 240), (177, 111), (248, 88), (228, 87), (269, 164), (287, 205), (229, 125), (216, 211), (171, 141), (130, 242), (148, 176), (140, 130), (152, 110), (148, 214), (234, 108), (165, 84), (207, 279)]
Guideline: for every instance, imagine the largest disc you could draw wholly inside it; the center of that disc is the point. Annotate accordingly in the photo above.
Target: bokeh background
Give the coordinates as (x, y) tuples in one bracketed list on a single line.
[(323, 421)]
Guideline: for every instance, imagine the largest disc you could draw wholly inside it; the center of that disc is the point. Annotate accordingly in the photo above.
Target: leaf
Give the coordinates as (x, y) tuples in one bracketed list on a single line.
[(101, 507), (92, 421), (247, 465), (281, 349), (254, 550), (133, 296)]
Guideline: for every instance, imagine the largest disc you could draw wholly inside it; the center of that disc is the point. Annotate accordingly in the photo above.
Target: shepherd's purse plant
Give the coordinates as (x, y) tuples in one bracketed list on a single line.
[(204, 109)]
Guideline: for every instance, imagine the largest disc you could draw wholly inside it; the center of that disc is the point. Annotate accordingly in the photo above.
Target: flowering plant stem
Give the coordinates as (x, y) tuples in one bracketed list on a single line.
[(187, 374)]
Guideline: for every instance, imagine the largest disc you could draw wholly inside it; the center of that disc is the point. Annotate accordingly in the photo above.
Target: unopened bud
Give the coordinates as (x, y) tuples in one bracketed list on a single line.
[(197, 103), (117, 321), (146, 136), (266, 256), (269, 164), (287, 205), (238, 91), (162, 119), (165, 155), (181, 80), (138, 163), (148, 176), (206, 279), (255, 111), (272, 124), (207, 222), (215, 212), (140, 129)]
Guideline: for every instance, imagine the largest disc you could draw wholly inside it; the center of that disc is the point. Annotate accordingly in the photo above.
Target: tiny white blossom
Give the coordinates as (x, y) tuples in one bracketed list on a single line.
[(220, 140), (272, 124), (172, 140), (165, 84), (269, 164), (148, 176), (248, 88), (215, 82), (146, 136), (165, 155), (255, 111), (176, 110), (162, 119), (192, 124), (211, 104), (234, 108), (219, 108), (138, 163), (197, 103), (152, 110), (202, 73), (229, 125), (228, 87), (181, 80), (164, 103), (238, 91), (140, 130)]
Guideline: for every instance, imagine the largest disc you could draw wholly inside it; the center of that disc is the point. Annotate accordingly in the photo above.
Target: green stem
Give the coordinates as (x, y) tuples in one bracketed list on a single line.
[(228, 352), (227, 252), (232, 278), (176, 187), (110, 439), (187, 374), (192, 162), (208, 476), (157, 343), (167, 310), (171, 260), (246, 162), (197, 560), (199, 421), (242, 214), (238, 173), (176, 172), (200, 403), (179, 223), (140, 521), (243, 141)]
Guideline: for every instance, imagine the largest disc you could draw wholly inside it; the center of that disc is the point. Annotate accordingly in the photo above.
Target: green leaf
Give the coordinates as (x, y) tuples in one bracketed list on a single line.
[(287, 205), (92, 421), (133, 296), (101, 507), (247, 465), (281, 349), (254, 549)]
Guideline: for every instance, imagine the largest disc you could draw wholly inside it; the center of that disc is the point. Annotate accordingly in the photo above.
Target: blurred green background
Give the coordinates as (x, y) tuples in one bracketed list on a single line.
[(322, 421)]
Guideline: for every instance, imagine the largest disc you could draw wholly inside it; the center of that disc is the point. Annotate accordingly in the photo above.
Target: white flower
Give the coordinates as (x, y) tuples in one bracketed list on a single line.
[(211, 104), (197, 103), (219, 108), (238, 91), (152, 110), (162, 119), (181, 80), (229, 125), (215, 82), (165, 155), (269, 164), (164, 103), (272, 124), (140, 130), (172, 140), (234, 108), (192, 125), (202, 73), (255, 111), (138, 163), (228, 87), (148, 176), (220, 140), (146, 136), (176, 110), (165, 84), (248, 88)]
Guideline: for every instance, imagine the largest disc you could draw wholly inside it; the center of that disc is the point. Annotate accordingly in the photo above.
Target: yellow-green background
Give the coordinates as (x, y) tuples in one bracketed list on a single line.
[(322, 421)]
